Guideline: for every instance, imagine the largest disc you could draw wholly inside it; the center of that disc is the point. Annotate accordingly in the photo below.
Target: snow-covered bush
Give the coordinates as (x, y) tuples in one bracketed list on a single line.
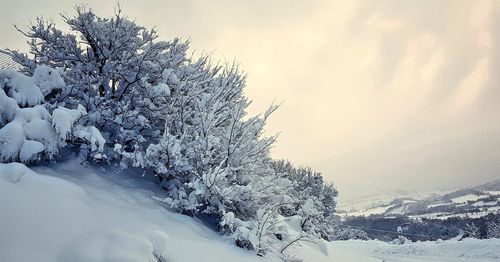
[(116, 69), (346, 233), (183, 119), (28, 131), (313, 198)]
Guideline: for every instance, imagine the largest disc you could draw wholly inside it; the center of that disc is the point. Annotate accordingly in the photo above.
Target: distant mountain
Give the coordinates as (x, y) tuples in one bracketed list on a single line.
[(473, 201)]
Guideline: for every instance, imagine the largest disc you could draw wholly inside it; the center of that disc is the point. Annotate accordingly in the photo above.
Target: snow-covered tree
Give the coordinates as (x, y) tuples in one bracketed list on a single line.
[(114, 67), (182, 119)]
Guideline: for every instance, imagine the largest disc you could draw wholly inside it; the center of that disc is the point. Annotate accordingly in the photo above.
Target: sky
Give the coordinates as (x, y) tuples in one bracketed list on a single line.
[(377, 95)]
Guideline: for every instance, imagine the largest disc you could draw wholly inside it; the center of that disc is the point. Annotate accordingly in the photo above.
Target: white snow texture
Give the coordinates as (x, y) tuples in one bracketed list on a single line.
[(27, 128)]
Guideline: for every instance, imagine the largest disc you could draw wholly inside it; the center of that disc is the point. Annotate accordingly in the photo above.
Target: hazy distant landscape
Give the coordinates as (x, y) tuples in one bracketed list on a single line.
[(474, 201)]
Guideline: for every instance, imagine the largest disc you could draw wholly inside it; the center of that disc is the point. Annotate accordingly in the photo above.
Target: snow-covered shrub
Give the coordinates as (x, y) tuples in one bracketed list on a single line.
[(28, 131), (183, 119), (313, 198), (258, 233), (346, 233)]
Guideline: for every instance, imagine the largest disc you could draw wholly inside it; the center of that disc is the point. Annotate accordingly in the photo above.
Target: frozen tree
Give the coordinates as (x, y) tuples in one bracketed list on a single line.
[(113, 67), (182, 119)]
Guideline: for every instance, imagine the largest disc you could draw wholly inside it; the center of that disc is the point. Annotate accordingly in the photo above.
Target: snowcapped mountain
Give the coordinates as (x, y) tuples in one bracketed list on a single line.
[(473, 201)]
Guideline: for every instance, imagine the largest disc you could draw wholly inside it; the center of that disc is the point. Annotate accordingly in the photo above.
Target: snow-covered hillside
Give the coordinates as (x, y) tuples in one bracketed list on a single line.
[(67, 212), (473, 202), (72, 214), (379, 203)]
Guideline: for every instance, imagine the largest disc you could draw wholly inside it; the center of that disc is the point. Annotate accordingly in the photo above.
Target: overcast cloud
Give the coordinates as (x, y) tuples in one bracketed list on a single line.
[(378, 95)]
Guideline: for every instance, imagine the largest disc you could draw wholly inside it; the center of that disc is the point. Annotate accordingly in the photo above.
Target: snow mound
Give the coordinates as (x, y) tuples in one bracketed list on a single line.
[(28, 132), (48, 79), (8, 108), (11, 141), (29, 149), (24, 132), (113, 245), (30, 91), (21, 88), (13, 172)]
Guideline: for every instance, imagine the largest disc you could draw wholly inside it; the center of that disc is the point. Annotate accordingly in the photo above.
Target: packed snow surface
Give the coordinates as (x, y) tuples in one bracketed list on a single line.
[(67, 212)]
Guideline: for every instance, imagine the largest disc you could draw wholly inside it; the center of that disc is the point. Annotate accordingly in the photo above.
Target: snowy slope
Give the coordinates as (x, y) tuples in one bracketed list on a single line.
[(70, 213), (80, 216)]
